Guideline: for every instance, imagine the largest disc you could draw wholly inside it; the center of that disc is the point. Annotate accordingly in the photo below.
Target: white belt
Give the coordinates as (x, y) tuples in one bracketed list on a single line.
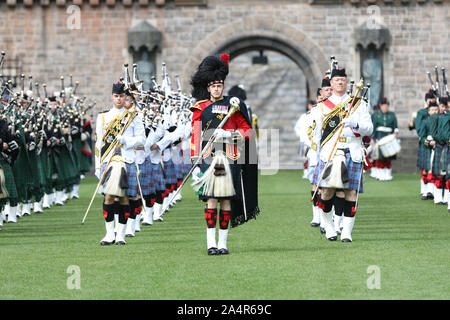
[(384, 129), (344, 142)]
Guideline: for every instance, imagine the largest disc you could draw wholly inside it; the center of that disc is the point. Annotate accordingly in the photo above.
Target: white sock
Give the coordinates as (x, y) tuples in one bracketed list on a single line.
[(347, 228), (211, 237), (223, 235)]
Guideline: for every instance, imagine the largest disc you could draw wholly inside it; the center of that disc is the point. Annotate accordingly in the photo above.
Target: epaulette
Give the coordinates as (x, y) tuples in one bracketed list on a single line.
[(198, 105), (104, 111)]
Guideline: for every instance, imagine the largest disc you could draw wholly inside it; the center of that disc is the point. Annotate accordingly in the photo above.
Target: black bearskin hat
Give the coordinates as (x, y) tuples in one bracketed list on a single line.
[(213, 69)]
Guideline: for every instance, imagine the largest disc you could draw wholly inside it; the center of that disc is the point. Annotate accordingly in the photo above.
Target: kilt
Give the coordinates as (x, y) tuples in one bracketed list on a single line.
[(22, 173), (236, 177), (171, 174), (423, 157), (9, 183), (354, 172), (316, 175), (158, 177), (145, 177), (179, 170), (133, 189), (441, 159), (310, 173), (35, 186)]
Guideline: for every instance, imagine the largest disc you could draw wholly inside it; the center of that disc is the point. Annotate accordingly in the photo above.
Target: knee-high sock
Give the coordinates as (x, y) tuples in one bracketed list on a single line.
[(124, 213), (108, 212), (326, 206), (339, 204), (211, 219), (224, 221)]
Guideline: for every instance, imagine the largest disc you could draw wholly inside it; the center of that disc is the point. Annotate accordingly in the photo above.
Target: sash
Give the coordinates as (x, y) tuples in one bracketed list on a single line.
[(333, 121), (115, 127)]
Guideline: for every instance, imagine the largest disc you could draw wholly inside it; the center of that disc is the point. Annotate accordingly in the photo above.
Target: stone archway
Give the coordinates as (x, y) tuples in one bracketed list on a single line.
[(261, 32)]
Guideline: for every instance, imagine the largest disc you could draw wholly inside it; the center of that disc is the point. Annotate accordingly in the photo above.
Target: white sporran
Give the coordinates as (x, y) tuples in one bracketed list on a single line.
[(217, 180), (115, 181), (336, 174)]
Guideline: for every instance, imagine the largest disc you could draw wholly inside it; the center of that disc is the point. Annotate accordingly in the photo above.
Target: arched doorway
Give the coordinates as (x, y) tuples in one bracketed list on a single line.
[(301, 55)]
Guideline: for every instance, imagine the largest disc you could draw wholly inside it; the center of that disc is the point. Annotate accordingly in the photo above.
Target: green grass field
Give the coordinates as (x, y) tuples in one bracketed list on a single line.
[(276, 256)]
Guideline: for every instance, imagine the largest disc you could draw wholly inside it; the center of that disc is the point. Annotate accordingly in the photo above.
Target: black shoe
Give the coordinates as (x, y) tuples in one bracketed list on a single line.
[(223, 251), (146, 224), (346, 240), (332, 238), (106, 243), (338, 233), (129, 235), (322, 230), (121, 243), (430, 195), (212, 251), (26, 214), (424, 198), (315, 224)]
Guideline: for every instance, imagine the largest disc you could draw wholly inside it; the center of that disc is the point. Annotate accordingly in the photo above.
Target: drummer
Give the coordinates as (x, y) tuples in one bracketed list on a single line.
[(384, 124)]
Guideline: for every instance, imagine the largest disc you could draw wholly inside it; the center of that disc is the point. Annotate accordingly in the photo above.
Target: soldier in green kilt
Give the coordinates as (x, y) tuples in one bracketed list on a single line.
[(8, 194), (440, 132), (423, 152), (384, 123)]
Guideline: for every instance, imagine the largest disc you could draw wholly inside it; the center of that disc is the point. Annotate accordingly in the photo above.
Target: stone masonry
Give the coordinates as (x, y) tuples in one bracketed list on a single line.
[(307, 32)]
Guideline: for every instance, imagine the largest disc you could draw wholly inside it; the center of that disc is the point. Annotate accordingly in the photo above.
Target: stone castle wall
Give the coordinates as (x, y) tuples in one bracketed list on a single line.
[(309, 30)]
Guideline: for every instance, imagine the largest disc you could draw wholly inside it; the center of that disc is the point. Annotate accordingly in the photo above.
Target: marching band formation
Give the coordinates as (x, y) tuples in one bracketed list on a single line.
[(151, 141), (432, 125), (45, 147), (145, 144), (342, 137)]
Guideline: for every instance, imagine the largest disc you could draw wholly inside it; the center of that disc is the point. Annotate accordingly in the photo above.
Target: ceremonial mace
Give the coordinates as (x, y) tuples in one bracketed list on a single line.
[(106, 167), (359, 86), (234, 107)]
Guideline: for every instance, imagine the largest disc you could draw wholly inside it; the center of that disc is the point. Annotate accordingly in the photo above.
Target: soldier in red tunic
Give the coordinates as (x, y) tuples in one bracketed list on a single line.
[(224, 175)]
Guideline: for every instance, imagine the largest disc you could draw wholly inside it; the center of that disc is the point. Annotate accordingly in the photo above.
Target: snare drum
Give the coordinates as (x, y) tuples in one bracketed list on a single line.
[(389, 146)]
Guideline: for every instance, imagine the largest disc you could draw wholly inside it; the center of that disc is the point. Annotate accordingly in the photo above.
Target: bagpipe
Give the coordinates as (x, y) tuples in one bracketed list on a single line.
[(159, 104), (30, 117)]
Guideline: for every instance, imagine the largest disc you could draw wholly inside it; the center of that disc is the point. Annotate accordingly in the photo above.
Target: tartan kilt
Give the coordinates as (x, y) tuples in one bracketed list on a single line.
[(158, 177), (9, 182), (354, 173), (316, 175), (438, 166), (22, 173), (447, 163), (423, 157), (35, 183), (85, 163), (76, 153), (133, 188), (171, 174), (145, 177), (46, 182), (179, 170)]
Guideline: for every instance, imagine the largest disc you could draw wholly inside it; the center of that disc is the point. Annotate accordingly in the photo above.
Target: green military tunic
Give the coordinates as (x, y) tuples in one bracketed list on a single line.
[(383, 125), (423, 152), (440, 131), (22, 170)]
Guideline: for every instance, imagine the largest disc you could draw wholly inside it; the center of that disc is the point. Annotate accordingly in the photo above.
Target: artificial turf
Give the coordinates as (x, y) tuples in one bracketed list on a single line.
[(276, 256)]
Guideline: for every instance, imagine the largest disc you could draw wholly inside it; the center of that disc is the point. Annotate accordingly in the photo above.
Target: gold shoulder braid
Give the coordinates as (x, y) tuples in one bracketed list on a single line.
[(114, 128)]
